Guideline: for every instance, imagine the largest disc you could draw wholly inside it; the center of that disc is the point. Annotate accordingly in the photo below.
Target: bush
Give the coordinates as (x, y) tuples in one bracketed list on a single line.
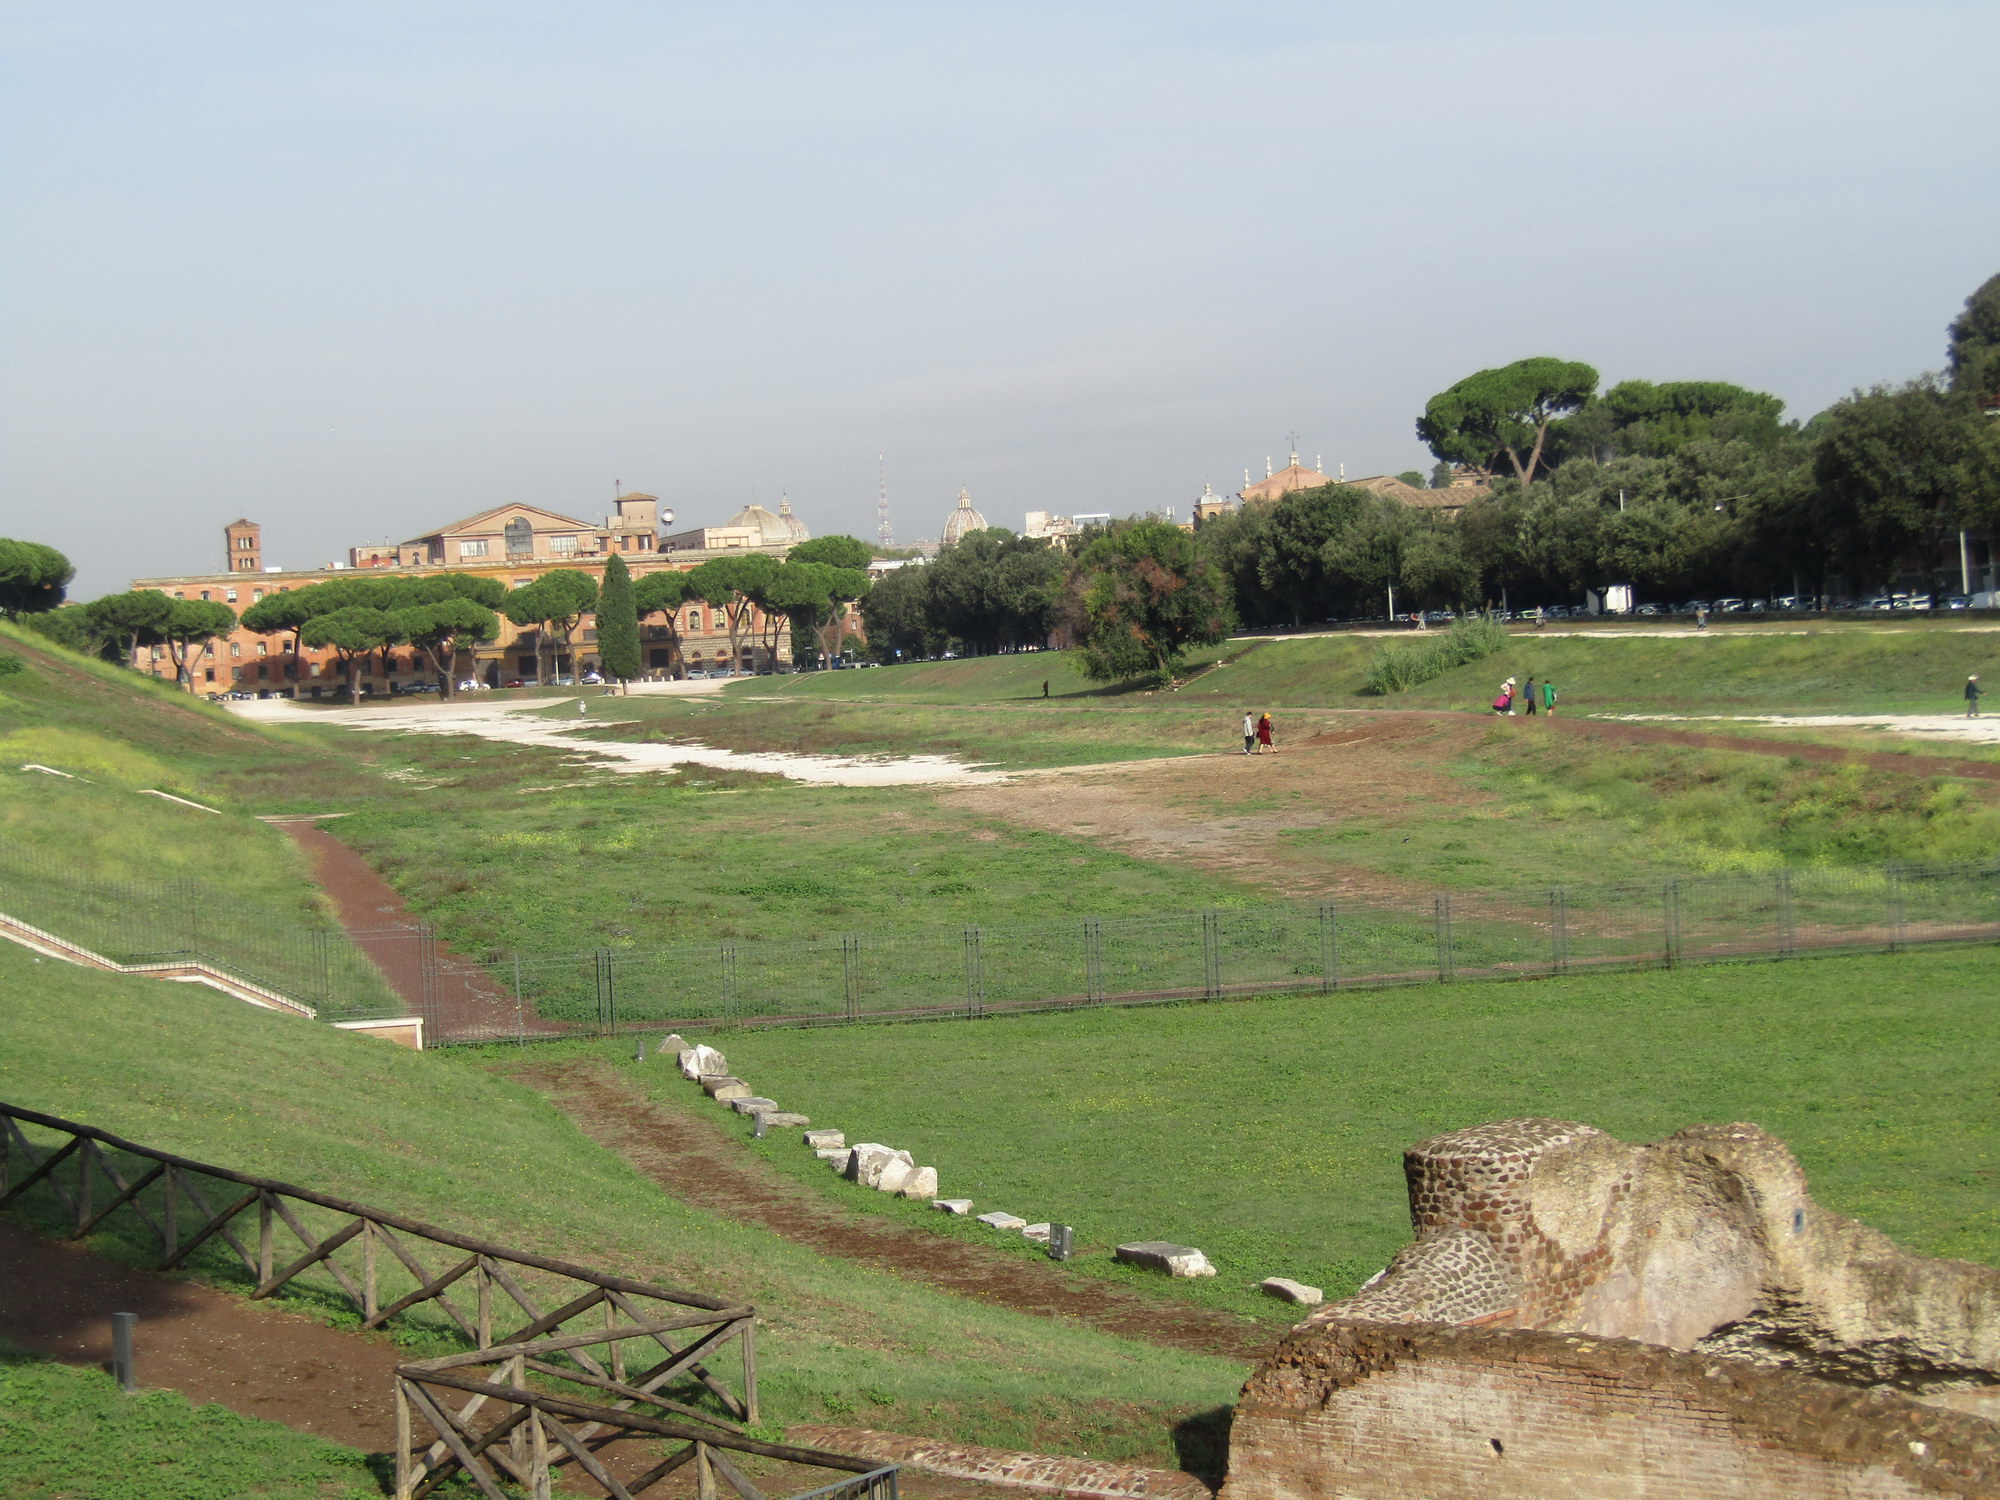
[(10, 664), (1396, 669)]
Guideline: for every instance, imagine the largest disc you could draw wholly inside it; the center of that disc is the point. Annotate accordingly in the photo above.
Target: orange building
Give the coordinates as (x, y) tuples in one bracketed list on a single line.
[(514, 544)]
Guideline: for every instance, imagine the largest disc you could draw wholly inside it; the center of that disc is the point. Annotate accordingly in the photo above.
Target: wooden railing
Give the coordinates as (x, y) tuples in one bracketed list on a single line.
[(386, 1265), (489, 1424)]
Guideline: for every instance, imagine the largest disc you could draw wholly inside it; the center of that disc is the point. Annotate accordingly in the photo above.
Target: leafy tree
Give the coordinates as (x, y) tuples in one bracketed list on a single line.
[(1899, 470), (1389, 543), (190, 625), (901, 618), (76, 627), (662, 594), (834, 551), (1293, 564), (136, 617), (1236, 542), (441, 629), (1973, 355), (1149, 596), (1413, 478), (730, 584), (618, 623), (352, 632), (992, 590), (1506, 413), (1441, 476), (1639, 418), (32, 578), (554, 604)]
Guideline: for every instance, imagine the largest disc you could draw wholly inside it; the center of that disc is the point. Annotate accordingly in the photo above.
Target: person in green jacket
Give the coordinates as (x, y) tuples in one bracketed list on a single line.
[(1549, 697)]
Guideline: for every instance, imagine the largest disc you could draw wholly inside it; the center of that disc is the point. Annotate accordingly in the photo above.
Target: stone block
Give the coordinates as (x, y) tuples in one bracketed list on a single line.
[(960, 1206), (997, 1220), (825, 1140), (1039, 1233), (893, 1175), (716, 1081), (728, 1092), (1295, 1292), (1159, 1255), (870, 1159), (701, 1062), (840, 1160), (752, 1104), (674, 1044), (783, 1119), (921, 1183)]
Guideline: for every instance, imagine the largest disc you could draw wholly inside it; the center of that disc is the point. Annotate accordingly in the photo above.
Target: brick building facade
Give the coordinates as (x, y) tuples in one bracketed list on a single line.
[(514, 544)]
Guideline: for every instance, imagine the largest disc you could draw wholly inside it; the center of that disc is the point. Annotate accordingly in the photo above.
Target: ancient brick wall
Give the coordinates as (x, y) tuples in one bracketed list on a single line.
[(1370, 1411)]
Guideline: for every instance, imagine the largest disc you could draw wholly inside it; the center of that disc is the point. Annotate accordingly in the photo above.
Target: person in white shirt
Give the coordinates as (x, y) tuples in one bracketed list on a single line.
[(1249, 731)]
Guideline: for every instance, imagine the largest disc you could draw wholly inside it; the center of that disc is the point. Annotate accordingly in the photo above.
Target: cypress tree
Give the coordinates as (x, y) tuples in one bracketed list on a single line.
[(618, 623)]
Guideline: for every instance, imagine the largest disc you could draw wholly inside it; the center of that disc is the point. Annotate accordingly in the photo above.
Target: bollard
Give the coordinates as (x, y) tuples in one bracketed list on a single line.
[(640, 1055), (1059, 1237), (121, 1350), (757, 1129)]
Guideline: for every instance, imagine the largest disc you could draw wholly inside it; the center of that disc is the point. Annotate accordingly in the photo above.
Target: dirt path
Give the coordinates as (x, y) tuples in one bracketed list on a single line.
[(701, 1164), (457, 998), (252, 1357), (1918, 763)]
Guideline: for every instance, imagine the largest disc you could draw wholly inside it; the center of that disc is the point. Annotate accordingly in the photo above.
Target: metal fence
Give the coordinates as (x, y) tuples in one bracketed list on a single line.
[(1253, 948)]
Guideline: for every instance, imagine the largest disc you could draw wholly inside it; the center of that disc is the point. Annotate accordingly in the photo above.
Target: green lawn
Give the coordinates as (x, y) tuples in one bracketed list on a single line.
[(1270, 1132), (1731, 669), (438, 1138), (68, 1433)]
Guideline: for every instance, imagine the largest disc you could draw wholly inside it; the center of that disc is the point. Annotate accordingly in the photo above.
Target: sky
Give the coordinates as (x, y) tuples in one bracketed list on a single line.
[(357, 270)]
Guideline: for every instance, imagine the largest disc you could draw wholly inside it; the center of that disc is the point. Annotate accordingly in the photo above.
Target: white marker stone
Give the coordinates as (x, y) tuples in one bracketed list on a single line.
[(1287, 1290), (1160, 1255), (1003, 1221), (952, 1205)]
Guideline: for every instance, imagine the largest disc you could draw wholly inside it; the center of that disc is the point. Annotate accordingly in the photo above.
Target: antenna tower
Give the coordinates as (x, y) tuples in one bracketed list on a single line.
[(883, 534)]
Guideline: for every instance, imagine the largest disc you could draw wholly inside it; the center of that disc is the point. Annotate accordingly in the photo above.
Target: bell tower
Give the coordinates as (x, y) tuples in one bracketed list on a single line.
[(245, 541)]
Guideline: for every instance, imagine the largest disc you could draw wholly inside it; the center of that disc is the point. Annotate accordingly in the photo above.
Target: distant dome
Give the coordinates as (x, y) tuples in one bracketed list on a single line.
[(962, 520), (780, 530)]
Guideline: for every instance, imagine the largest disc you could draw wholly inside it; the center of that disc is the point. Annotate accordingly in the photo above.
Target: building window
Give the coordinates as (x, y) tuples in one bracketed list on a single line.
[(563, 546), (156, 653), (204, 593), (263, 671), (520, 537), (473, 548), (521, 583), (246, 544), (590, 635), (255, 595), (694, 620), (209, 649), (229, 596), (235, 649), (263, 648), (209, 675), (235, 674)]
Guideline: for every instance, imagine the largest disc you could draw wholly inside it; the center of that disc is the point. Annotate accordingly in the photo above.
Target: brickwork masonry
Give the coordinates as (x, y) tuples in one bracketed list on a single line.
[(1374, 1411)]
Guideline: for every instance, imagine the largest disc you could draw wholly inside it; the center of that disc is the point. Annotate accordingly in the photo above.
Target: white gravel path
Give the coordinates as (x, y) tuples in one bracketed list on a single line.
[(1981, 731), (525, 724)]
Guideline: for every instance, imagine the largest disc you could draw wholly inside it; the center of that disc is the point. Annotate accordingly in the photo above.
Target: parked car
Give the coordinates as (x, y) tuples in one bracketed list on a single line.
[(1792, 602), (1649, 610), (1880, 602), (1915, 601), (521, 682), (1758, 606), (1840, 603), (1729, 606), (1958, 601)]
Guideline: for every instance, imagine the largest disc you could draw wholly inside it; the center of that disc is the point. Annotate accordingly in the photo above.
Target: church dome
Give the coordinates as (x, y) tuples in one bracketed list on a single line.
[(782, 529), (963, 519)]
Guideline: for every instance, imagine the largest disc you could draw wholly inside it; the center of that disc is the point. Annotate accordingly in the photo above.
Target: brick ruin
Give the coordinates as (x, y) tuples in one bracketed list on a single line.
[(1581, 1316)]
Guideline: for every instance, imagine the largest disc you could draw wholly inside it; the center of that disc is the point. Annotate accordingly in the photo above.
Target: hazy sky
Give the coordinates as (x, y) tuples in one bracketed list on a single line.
[(357, 269)]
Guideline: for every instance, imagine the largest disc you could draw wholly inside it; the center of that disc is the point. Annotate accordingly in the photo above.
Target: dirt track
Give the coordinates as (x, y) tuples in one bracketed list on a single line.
[(699, 1163)]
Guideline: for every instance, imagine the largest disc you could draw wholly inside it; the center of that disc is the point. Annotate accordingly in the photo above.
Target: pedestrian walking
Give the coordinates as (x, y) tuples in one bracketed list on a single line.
[(1249, 732), (1549, 698), (1264, 736), (582, 707), (1701, 618), (1528, 692), (1972, 691), (1045, 687), (1503, 703)]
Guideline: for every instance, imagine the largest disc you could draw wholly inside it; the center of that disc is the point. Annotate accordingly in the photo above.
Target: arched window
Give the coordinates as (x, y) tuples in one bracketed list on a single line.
[(520, 536)]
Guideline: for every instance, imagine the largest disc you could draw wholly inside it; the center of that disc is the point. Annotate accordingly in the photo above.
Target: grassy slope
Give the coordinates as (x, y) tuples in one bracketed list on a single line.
[(92, 858), (66, 1433), (1827, 669), (1270, 1133), (437, 1138)]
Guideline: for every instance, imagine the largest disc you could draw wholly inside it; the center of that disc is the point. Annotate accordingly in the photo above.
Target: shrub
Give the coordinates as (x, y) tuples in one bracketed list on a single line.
[(10, 664), (1398, 668)]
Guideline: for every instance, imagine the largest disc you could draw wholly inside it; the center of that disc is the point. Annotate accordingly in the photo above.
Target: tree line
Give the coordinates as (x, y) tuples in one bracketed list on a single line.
[(443, 615)]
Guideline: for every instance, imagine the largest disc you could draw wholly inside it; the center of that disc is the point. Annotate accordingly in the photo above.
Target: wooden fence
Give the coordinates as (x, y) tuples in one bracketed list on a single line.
[(385, 1266)]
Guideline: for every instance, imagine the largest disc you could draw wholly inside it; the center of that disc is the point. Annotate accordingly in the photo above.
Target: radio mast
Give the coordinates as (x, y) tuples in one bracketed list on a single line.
[(883, 534)]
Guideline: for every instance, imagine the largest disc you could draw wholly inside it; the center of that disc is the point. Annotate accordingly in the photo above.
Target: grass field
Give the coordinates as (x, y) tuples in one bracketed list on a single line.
[(67, 1434), (1824, 668), (1269, 1133), (440, 1139)]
